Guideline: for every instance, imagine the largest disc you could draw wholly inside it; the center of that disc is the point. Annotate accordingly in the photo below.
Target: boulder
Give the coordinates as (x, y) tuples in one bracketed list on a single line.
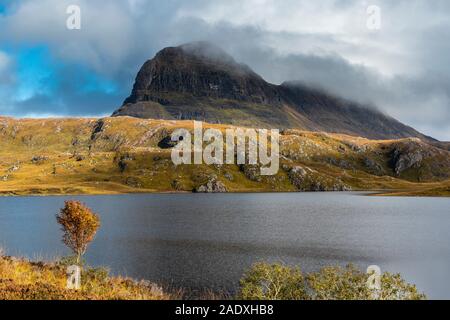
[(212, 186), (38, 159)]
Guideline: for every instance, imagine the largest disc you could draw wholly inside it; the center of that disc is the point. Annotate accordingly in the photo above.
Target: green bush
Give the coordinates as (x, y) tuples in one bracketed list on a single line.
[(279, 282), (273, 282), (393, 287), (100, 274), (89, 274), (69, 261), (336, 283)]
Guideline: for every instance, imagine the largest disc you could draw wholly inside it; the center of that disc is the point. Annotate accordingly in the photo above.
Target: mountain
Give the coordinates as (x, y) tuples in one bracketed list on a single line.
[(201, 81)]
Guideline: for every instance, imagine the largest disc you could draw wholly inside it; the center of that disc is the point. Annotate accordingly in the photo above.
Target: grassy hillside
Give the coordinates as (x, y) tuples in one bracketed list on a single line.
[(123, 154)]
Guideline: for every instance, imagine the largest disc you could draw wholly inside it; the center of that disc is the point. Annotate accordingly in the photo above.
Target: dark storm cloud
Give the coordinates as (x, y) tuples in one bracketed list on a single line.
[(88, 104)]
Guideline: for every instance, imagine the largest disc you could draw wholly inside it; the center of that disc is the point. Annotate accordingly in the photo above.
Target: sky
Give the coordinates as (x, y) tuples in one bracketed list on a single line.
[(402, 68)]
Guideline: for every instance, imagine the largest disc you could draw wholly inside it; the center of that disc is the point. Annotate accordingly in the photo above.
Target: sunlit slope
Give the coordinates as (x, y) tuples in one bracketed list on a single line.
[(124, 154)]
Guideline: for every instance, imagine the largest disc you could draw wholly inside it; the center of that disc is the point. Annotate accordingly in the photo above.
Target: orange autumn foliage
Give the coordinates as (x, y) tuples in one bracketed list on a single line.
[(79, 225)]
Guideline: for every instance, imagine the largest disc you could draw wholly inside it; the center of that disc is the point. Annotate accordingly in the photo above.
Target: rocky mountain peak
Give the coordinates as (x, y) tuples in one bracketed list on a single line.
[(198, 69), (201, 81)]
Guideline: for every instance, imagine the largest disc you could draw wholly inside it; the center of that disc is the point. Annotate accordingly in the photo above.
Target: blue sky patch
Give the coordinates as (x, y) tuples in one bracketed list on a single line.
[(35, 70)]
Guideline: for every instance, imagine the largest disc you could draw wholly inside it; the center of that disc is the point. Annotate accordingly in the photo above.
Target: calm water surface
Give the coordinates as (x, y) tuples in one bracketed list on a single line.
[(207, 240)]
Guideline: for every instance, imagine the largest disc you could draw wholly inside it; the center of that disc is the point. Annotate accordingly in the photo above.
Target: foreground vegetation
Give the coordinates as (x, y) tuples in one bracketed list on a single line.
[(279, 282), (24, 280), (123, 155)]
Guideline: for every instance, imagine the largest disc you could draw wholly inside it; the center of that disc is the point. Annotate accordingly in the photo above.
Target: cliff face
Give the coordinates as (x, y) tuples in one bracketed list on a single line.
[(200, 81), (201, 71)]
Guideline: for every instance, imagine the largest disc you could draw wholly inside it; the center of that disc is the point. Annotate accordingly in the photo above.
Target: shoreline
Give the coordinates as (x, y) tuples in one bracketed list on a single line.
[(423, 193)]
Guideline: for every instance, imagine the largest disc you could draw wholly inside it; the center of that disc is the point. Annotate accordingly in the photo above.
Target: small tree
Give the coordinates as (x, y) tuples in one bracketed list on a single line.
[(79, 225)]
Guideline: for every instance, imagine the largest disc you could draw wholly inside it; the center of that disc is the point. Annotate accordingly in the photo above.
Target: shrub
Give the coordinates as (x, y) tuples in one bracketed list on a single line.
[(89, 274), (279, 282), (336, 283), (393, 287), (69, 261), (272, 282), (99, 274)]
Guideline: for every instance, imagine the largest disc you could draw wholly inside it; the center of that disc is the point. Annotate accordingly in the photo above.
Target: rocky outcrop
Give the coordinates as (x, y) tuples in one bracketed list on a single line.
[(212, 186), (133, 182), (167, 143), (408, 155), (414, 160), (251, 172), (15, 167), (123, 160), (176, 185), (341, 163), (229, 176), (38, 159), (404, 161), (306, 179)]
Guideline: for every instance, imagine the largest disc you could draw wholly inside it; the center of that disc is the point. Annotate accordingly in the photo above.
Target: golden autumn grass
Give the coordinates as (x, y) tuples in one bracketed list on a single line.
[(81, 156), (25, 280), (427, 190)]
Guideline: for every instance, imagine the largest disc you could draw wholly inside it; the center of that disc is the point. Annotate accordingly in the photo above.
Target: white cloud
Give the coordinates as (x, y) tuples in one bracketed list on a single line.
[(7, 75)]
